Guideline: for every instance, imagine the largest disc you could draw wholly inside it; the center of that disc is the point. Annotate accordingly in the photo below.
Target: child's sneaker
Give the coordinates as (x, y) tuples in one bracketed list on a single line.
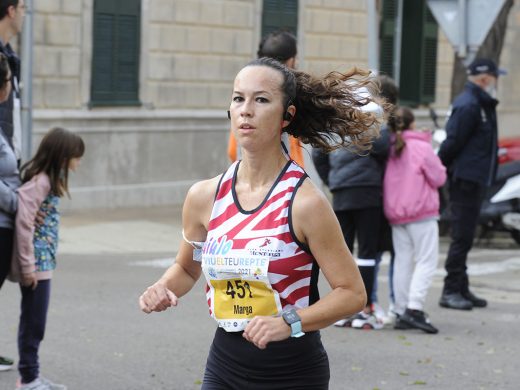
[(367, 321), (6, 363), (347, 322), (39, 383), (391, 316), (53, 386), (36, 384), (418, 319), (377, 310)]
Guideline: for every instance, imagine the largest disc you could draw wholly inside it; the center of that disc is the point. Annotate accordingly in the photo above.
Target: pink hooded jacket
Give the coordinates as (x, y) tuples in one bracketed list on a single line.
[(410, 186)]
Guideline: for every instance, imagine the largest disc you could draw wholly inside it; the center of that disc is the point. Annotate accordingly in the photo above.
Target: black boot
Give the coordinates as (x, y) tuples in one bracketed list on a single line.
[(419, 320), (455, 301), (476, 301)]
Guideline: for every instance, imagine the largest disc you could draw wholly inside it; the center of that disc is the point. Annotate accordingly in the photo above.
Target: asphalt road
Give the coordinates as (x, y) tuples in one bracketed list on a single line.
[(98, 339)]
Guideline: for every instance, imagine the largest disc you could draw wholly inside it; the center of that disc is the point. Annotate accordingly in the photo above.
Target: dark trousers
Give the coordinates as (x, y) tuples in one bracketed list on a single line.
[(365, 226), (6, 252), (465, 202), (31, 330)]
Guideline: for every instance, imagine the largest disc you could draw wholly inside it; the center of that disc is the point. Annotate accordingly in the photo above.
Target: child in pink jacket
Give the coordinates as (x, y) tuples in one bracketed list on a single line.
[(411, 203), (45, 180)]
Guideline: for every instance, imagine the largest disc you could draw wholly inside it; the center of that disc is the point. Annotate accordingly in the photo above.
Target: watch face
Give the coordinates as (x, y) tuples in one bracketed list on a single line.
[(291, 316)]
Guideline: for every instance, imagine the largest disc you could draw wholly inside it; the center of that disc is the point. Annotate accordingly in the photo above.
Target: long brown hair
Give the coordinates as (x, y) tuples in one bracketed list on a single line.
[(328, 109), (399, 121), (56, 149)]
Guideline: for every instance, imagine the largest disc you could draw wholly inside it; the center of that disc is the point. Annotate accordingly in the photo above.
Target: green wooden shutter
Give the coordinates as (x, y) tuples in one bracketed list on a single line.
[(418, 50), (418, 54), (386, 35), (115, 57), (279, 14)]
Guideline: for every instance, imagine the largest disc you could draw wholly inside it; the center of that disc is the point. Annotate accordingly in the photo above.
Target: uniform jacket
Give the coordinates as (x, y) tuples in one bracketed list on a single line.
[(410, 187), (470, 149)]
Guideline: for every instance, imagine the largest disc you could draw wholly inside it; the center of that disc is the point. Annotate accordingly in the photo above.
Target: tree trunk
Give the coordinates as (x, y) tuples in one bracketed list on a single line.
[(491, 48)]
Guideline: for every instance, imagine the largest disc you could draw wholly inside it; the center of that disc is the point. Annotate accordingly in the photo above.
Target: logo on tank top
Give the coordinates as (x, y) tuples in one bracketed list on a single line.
[(217, 247), (266, 246)]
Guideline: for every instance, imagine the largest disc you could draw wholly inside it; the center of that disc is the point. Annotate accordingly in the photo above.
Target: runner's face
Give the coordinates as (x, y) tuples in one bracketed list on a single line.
[(257, 106)]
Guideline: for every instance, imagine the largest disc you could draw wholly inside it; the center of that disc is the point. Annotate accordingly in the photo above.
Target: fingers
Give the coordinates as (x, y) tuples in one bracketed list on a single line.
[(172, 297), (40, 217), (157, 298), (262, 330)]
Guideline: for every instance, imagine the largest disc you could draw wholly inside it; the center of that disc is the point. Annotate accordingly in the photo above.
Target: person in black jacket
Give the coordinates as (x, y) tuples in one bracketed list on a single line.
[(470, 155), (355, 181)]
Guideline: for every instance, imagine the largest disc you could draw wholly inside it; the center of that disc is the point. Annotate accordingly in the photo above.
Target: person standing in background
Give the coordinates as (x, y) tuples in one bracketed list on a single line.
[(355, 180), (281, 46), (411, 202), (389, 91), (12, 14), (9, 182), (470, 155)]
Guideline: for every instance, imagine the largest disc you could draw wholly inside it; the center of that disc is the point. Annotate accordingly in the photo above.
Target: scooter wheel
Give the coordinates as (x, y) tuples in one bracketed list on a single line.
[(516, 236)]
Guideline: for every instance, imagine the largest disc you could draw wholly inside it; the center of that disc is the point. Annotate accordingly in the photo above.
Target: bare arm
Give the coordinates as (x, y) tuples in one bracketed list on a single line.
[(184, 273), (316, 225)]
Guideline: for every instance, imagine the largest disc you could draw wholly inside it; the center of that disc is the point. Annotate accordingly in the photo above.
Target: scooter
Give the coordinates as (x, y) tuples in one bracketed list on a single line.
[(500, 210)]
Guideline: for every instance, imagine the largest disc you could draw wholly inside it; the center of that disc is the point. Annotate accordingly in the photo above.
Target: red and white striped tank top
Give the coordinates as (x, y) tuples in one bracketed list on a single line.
[(267, 232)]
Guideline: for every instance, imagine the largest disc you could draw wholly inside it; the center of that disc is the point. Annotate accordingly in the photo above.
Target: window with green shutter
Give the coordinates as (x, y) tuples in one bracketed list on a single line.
[(115, 53), (418, 50), (279, 14)]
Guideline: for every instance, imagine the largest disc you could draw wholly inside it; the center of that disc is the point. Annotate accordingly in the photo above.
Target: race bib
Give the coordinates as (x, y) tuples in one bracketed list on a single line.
[(239, 288)]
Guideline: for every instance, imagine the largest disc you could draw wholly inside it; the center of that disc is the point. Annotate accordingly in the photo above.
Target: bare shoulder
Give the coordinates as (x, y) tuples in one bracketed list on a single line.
[(310, 199), (203, 192), (196, 211)]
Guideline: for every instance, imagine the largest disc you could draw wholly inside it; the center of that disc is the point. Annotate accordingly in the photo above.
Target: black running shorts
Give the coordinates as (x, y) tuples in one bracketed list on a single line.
[(295, 363)]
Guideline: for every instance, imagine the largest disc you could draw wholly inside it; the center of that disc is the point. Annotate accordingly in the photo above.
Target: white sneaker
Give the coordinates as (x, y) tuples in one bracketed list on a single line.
[(36, 384), (370, 321), (390, 318), (343, 323), (39, 383), (378, 311), (347, 322), (53, 386)]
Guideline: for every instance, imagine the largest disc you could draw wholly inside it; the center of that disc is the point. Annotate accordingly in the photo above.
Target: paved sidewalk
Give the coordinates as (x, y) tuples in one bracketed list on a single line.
[(144, 230)]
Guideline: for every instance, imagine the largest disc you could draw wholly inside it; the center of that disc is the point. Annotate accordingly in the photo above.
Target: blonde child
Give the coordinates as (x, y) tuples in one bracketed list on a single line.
[(411, 203), (45, 180)]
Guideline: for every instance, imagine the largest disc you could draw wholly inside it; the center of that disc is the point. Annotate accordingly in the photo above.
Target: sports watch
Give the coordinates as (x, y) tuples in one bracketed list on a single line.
[(292, 319)]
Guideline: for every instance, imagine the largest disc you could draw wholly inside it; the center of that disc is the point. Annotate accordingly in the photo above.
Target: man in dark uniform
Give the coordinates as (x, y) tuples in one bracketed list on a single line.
[(470, 155)]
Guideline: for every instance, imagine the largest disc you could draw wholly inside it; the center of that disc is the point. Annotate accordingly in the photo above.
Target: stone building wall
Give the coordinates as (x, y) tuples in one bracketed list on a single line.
[(190, 53)]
